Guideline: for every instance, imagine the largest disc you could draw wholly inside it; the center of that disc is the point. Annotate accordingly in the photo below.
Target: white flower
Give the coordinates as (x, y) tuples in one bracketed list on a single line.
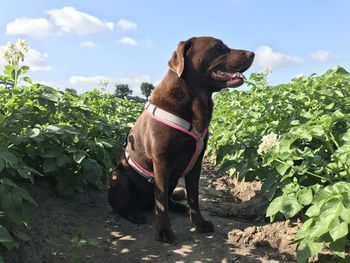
[(15, 53), (22, 46), (267, 71), (268, 142), (6, 54), (103, 83)]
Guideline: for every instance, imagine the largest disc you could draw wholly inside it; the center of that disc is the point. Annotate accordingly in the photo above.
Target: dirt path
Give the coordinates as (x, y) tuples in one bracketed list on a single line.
[(85, 230)]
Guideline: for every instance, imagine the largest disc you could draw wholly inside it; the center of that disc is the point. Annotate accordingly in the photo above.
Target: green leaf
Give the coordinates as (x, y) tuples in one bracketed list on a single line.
[(7, 156), (274, 207), (79, 156), (332, 208), (33, 133), (308, 248), (282, 168), (346, 136), (9, 183), (50, 97), (345, 214), (26, 196), (338, 247), (304, 229), (320, 227), (28, 80), (314, 210), (20, 235), (2, 165), (304, 196), (92, 167), (290, 207), (62, 160), (227, 165), (56, 129), (49, 165), (5, 235), (24, 69), (11, 204), (338, 230)]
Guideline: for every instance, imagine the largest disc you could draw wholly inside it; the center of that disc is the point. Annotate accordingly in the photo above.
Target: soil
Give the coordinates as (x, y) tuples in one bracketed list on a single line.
[(84, 229)]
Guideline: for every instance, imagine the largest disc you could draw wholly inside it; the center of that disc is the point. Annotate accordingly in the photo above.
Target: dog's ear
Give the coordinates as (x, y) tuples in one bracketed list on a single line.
[(177, 61)]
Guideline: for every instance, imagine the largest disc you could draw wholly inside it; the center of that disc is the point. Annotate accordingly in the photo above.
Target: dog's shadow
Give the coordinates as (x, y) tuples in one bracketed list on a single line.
[(136, 243)]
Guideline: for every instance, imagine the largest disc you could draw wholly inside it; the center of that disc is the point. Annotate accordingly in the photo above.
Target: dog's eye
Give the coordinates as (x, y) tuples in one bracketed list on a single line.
[(220, 47)]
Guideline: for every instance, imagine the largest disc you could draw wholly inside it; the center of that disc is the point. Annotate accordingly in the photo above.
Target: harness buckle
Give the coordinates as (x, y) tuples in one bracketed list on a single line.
[(125, 142), (154, 110), (150, 180)]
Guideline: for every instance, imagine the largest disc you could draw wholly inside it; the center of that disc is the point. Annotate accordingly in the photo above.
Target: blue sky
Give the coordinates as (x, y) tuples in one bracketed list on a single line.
[(76, 43)]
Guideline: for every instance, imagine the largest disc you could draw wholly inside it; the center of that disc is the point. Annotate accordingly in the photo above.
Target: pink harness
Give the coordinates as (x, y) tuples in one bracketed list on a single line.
[(175, 122)]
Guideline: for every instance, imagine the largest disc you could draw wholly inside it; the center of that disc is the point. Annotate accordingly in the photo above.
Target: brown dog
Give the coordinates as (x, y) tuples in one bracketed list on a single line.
[(198, 67)]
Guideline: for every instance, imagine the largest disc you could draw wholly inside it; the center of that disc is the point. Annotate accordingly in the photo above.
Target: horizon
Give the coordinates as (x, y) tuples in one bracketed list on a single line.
[(74, 44)]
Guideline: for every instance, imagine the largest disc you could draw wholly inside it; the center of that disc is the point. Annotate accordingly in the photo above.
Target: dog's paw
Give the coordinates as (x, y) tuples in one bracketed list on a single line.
[(205, 226), (165, 235)]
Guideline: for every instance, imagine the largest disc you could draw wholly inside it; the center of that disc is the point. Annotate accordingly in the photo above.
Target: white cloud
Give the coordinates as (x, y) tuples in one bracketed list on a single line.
[(88, 44), (37, 28), (85, 83), (125, 25), (128, 41), (266, 57), (65, 20), (70, 20), (36, 60), (323, 56)]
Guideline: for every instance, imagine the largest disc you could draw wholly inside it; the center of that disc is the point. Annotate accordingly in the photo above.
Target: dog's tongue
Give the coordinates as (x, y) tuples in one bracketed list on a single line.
[(232, 79)]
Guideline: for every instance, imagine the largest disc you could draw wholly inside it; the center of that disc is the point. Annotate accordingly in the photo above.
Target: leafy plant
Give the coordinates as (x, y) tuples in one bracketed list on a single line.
[(307, 166), (44, 132), (79, 241)]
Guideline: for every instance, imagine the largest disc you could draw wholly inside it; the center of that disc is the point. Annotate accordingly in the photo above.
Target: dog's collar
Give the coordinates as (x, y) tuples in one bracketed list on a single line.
[(175, 122)]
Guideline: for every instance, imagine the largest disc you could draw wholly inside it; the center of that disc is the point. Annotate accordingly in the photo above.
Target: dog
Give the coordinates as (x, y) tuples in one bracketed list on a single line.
[(169, 138)]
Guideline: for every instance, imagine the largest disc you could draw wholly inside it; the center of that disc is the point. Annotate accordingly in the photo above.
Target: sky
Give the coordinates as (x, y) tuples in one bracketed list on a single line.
[(75, 44)]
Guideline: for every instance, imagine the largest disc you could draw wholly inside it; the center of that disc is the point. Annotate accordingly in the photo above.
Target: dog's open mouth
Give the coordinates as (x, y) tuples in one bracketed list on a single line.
[(231, 79)]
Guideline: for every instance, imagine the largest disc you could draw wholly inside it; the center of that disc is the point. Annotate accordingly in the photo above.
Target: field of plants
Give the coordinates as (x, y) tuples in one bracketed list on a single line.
[(47, 133), (293, 137)]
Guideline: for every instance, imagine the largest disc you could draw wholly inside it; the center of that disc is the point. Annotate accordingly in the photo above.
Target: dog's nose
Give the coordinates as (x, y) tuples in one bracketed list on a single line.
[(249, 54)]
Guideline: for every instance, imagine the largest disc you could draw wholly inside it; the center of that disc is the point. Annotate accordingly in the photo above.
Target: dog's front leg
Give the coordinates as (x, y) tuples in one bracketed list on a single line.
[(192, 183), (162, 222)]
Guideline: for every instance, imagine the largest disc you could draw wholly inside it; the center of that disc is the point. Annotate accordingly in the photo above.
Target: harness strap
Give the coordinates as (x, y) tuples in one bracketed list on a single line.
[(175, 122), (148, 175), (162, 114), (198, 150)]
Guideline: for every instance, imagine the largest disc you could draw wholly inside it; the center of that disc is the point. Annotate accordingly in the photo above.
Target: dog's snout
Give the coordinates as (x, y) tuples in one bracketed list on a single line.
[(249, 54)]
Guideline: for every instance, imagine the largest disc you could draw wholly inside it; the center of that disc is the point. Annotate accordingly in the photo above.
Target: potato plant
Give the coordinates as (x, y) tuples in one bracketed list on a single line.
[(48, 133), (294, 137)]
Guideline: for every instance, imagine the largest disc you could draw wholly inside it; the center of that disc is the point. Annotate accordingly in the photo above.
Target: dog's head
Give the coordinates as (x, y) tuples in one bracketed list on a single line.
[(210, 62)]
